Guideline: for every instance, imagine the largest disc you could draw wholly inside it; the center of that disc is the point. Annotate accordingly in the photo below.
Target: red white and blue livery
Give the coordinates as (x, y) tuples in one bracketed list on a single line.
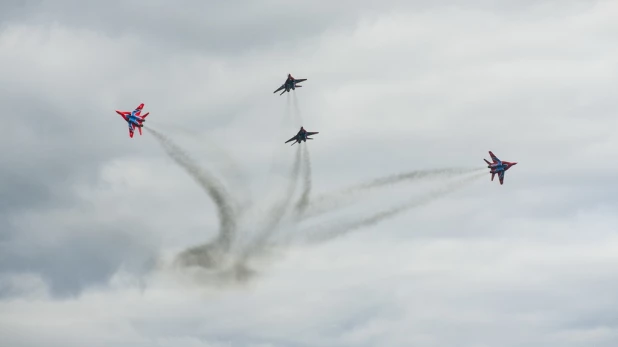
[(134, 119), (498, 166)]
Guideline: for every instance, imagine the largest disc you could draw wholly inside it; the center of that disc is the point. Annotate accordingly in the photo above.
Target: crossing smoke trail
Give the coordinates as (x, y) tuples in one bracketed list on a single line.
[(277, 213), (212, 255), (341, 230), (333, 201), (207, 255)]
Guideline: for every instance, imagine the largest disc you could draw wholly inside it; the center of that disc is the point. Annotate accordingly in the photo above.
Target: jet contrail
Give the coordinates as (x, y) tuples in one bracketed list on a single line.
[(205, 255), (211, 146), (299, 118), (276, 214), (328, 202), (303, 202), (231, 165), (280, 208), (340, 230), (232, 266), (281, 131), (288, 109)]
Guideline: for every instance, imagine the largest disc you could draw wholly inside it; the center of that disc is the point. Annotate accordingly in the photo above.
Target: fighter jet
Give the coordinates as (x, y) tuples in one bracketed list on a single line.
[(290, 83), (498, 167), (303, 135), (134, 119)]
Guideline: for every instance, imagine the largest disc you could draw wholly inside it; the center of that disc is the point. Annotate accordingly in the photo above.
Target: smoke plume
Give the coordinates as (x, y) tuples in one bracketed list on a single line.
[(276, 214), (330, 233), (207, 255), (333, 201), (303, 202)]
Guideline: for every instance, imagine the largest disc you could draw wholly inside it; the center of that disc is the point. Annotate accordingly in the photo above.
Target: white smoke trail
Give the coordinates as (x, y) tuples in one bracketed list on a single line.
[(211, 255), (333, 201), (233, 170), (303, 202), (206, 255), (297, 116), (327, 234), (276, 214)]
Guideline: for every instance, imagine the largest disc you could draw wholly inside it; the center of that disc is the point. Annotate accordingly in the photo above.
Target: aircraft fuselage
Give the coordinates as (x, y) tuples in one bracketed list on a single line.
[(290, 84)]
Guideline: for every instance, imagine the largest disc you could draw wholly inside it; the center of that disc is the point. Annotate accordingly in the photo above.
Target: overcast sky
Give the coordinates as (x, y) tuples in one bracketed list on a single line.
[(91, 220)]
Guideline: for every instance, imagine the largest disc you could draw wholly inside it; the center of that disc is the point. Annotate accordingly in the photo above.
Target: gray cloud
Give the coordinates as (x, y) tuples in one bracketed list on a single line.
[(85, 259), (393, 86), (234, 26), (45, 160)]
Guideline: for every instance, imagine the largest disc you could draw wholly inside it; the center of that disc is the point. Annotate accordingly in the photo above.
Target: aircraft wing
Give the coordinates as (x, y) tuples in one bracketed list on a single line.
[(138, 110), (312, 133), (494, 158), (124, 115), (293, 138), (280, 88), (300, 80), (501, 177)]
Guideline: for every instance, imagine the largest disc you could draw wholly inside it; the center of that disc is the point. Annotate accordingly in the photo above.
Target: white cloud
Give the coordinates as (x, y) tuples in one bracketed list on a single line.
[(528, 263)]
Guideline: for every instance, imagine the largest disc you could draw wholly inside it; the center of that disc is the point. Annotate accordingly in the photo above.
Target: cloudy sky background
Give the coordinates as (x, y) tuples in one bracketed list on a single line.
[(86, 213)]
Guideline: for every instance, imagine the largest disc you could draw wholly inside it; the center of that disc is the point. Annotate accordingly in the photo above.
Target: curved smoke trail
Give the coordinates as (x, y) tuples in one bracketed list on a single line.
[(231, 165), (207, 255), (229, 160), (340, 230), (276, 214)]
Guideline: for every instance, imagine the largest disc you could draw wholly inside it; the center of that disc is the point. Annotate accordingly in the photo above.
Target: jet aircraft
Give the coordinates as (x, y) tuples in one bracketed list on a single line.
[(134, 119), (498, 166), (290, 83), (302, 135)]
